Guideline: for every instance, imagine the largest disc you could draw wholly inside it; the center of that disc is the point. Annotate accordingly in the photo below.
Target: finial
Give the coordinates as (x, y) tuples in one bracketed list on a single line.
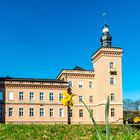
[(105, 17)]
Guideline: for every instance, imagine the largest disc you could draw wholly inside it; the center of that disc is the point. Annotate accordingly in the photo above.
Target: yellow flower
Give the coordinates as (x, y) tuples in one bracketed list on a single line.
[(136, 119), (67, 100)]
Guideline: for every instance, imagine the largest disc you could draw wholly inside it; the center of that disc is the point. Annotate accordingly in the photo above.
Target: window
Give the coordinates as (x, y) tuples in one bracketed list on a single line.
[(31, 96), (41, 110), (80, 98), (21, 96), (80, 113), (111, 81), (112, 112), (70, 113), (41, 96), (60, 96), (51, 112), (11, 96), (90, 85), (51, 96), (80, 84), (20, 112), (1, 112), (112, 98), (91, 99), (111, 65), (1, 95), (70, 84), (31, 112), (61, 112), (11, 112), (91, 113)]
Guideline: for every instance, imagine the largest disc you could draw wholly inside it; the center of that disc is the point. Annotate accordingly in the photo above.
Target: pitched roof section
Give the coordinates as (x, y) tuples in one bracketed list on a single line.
[(78, 68)]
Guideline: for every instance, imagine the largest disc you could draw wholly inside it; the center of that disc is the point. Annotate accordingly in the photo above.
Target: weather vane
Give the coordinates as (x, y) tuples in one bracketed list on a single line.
[(105, 17)]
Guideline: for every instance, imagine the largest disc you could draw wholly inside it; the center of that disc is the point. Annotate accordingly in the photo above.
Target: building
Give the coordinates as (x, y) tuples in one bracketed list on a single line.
[(29, 100)]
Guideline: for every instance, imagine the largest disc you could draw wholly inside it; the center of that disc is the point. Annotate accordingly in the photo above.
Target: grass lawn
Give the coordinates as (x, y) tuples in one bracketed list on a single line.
[(65, 132)]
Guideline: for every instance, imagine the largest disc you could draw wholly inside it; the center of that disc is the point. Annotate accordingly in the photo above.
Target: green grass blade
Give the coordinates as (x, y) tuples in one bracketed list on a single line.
[(106, 120), (93, 120)]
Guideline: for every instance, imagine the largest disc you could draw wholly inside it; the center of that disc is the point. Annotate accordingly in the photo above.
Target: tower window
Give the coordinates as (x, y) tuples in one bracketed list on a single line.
[(91, 99), (112, 81), (90, 85), (112, 97), (80, 98), (111, 65), (112, 112), (80, 113), (70, 84)]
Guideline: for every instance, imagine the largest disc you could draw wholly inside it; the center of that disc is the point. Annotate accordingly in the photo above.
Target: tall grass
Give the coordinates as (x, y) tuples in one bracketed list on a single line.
[(106, 120)]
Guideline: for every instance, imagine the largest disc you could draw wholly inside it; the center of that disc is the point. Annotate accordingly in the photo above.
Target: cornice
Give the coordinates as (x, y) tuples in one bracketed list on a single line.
[(28, 86)]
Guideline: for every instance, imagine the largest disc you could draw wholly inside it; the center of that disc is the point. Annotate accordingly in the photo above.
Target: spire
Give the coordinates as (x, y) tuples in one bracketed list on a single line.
[(106, 37)]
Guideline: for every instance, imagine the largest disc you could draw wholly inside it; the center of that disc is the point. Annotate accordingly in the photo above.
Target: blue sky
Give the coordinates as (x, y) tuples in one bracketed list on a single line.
[(40, 37)]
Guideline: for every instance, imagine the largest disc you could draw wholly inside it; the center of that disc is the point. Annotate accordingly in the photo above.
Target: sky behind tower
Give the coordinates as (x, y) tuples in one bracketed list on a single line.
[(40, 37)]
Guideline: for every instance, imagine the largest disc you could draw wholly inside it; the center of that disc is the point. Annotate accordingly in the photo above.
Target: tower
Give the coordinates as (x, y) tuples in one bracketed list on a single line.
[(107, 61)]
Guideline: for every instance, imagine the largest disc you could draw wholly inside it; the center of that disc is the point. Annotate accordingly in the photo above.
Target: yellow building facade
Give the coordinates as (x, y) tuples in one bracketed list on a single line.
[(32, 100)]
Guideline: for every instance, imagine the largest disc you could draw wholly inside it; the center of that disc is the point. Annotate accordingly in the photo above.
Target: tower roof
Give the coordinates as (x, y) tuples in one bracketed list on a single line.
[(106, 37)]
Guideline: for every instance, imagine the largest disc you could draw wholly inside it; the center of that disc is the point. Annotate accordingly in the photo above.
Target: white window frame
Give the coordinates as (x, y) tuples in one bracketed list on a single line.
[(60, 96), (51, 98), (41, 112), (70, 84), (21, 96), (61, 112), (80, 98), (81, 84), (21, 112), (91, 99), (31, 96), (41, 96), (51, 112), (10, 111), (111, 65), (90, 84), (112, 81), (31, 112), (112, 97), (11, 96), (81, 113), (70, 113), (112, 112)]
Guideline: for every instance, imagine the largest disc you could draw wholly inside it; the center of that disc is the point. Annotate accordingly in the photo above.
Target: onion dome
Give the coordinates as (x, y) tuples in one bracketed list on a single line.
[(106, 37)]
